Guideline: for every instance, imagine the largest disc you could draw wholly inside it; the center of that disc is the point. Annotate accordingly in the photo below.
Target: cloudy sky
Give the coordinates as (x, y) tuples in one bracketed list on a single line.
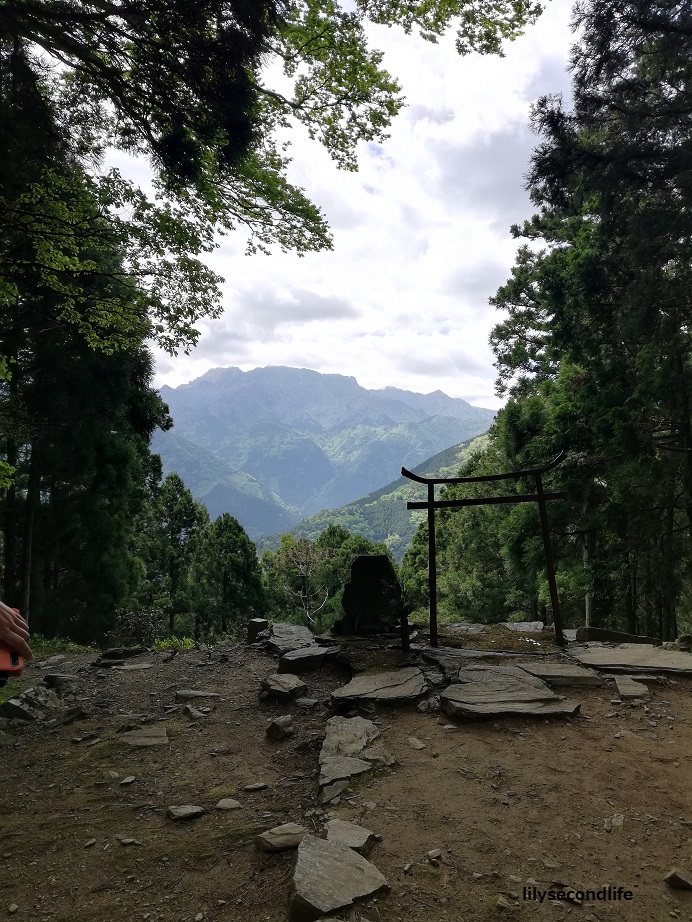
[(421, 232)]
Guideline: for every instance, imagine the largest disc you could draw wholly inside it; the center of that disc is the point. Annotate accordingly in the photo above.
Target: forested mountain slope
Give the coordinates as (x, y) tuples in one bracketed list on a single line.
[(382, 515), (274, 444)]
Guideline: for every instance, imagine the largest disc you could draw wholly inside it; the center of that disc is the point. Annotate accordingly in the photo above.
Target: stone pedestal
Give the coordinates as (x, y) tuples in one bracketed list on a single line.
[(373, 600), (255, 626)]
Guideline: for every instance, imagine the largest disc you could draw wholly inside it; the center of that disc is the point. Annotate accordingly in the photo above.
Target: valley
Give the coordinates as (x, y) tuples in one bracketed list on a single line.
[(277, 445)]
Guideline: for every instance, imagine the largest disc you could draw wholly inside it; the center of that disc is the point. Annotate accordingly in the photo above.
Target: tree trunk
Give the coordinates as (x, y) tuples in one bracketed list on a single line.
[(686, 433), (10, 534), (32, 496), (587, 552), (668, 590), (224, 601)]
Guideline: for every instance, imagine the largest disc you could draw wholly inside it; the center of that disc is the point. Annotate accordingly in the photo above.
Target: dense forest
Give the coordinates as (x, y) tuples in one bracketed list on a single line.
[(593, 352), (592, 346)]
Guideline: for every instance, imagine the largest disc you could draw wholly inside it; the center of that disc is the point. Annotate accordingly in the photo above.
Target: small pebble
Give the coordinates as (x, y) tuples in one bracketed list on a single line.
[(89, 843)]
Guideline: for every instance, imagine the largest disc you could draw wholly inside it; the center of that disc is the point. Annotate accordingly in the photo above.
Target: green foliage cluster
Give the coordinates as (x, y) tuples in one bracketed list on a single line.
[(182, 83), (595, 351), (305, 579), (94, 545), (172, 644)]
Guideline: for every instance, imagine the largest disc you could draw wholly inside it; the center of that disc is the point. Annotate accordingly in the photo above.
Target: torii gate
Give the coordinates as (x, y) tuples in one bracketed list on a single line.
[(540, 497)]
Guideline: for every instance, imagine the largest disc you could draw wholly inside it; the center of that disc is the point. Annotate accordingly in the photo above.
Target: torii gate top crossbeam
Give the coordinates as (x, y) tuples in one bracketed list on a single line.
[(513, 475)]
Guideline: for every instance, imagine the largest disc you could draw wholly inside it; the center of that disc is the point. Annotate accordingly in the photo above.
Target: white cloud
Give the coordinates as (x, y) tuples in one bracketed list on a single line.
[(421, 232)]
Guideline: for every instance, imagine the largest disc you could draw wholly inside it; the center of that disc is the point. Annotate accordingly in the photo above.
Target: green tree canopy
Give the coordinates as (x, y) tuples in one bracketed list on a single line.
[(183, 83)]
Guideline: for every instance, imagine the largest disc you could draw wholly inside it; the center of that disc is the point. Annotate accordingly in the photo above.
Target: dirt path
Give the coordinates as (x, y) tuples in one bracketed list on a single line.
[(512, 804)]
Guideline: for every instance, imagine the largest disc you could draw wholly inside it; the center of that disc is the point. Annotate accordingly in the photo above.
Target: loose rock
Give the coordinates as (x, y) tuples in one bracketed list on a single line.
[(329, 876), (306, 703), (356, 837), (332, 792), (679, 880), (185, 812), (282, 686), (280, 728), (227, 803), (59, 679), (280, 838), (305, 659), (190, 694), (193, 713)]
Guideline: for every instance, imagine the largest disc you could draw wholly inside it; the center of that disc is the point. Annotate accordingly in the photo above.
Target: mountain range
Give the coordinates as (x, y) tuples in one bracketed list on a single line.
[(274, 445)]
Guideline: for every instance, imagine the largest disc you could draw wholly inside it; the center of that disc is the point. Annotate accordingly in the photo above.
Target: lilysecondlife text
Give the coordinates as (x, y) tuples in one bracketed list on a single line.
[(607, 893)]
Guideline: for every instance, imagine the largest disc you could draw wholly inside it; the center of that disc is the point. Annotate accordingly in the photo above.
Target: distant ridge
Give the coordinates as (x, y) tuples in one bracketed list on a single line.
[(275, 444), (382, 515)]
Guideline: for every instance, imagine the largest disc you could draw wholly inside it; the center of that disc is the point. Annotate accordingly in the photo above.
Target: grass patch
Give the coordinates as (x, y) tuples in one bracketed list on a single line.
[(170, 644), (11, 690), (241, 835), (221, 790), (500, 638), (49, 646)]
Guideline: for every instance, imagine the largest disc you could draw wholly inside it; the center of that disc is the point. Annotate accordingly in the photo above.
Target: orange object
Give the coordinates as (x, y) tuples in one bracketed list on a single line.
[(11, 662)]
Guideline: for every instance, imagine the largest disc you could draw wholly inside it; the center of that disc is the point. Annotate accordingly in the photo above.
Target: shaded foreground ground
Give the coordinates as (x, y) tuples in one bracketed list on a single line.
[(512, 803)]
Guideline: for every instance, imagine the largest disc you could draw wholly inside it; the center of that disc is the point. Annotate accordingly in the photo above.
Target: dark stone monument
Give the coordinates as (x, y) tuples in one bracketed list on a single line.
[(373, 600)]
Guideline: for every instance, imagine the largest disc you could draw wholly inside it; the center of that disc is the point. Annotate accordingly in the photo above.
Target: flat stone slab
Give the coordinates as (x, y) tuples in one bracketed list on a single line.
[(562, 673), (59, 679), (185, 812), (494, 691), (145, 736), (358, 838), (227, 803), (524, 627), (341, 767), (286, 637), (15, 709), (329, 876), (192, 694), (628, 688), (304, 659), (132, 667), (605, 634), (633, 658), (347, 736), (285, 685), (331, 792), (280, 838), (397, 685)]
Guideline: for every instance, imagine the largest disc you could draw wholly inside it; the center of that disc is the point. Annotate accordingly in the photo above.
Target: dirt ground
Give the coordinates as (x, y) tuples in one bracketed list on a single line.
[(513, 804)]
